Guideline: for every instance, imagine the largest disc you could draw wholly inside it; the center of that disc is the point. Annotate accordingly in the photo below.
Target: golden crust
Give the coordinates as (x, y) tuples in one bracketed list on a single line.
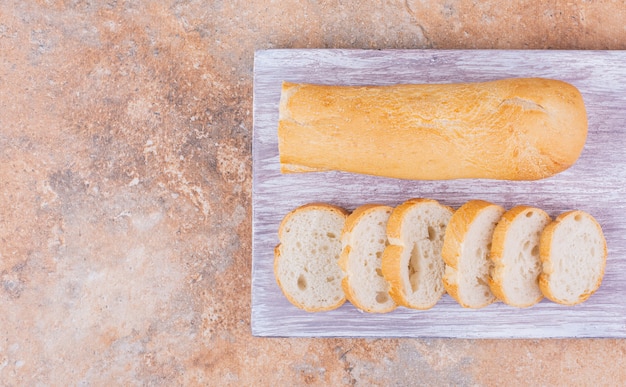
[(391, 269), (498, 242), (452, 288), (545, 252), (343, 257), (510, 129), (277, 252), (456, 231)]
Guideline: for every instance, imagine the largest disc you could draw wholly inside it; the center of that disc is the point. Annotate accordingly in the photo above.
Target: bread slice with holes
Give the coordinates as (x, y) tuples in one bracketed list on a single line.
[(514, 277), (412, 263), (364, 239), (305, 260), (573, 253), (465, 251)]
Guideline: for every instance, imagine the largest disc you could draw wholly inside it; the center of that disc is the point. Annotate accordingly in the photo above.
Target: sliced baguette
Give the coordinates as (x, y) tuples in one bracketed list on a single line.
[(573, 253), (465, 251), (412, 262), (305, 260), (364, 239), (514, 277)]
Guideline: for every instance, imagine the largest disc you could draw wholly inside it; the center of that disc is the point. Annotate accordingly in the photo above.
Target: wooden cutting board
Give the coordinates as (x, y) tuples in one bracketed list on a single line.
[(596, 184)]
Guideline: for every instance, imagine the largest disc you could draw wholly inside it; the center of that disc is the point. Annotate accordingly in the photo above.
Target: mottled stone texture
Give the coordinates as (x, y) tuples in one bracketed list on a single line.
[(125, 191)]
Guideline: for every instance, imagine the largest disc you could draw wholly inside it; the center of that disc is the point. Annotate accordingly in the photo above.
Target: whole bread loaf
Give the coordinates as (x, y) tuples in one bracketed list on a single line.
[(509, 129)]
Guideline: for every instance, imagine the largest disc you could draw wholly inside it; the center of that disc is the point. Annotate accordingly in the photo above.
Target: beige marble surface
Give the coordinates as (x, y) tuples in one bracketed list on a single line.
[(125, 191)]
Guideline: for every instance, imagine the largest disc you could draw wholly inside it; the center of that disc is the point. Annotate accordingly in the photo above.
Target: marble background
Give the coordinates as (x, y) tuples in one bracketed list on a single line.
[(125, 191)]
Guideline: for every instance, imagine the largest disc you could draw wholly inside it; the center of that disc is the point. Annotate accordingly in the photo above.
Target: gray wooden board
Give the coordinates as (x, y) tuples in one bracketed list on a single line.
[(596, 183)]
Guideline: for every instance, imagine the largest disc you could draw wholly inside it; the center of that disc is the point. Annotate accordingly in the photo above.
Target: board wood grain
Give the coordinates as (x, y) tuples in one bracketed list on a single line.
[(596, 184)]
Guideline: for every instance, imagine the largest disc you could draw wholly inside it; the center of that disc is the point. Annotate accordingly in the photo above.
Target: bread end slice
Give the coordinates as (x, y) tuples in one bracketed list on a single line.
[(465, 251), (305, 260), (573, 252)]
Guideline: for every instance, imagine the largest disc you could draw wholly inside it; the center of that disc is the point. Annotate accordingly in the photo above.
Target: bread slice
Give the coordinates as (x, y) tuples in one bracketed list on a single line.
[(412, 262), (364, 239), (305, 260), (516, 267), (465, 251), (573, 253)]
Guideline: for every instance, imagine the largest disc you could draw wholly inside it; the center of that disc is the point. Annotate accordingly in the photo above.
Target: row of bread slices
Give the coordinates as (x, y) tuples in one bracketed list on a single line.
[(380, 257)]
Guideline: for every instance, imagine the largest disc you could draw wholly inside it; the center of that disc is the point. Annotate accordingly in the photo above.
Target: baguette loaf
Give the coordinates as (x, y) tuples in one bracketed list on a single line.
[(465, 251), (514, 276), (363, 240), (510, 129), (305, 260), (573, 252), (412, 262)]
